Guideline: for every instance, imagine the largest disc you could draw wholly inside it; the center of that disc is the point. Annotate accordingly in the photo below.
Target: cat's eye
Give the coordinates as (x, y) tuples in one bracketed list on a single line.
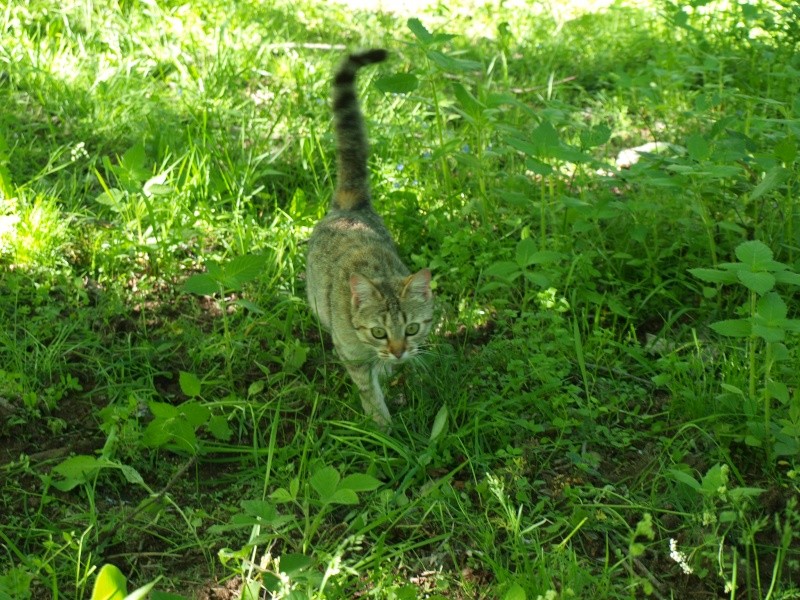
[(412, 329), (378, 333)]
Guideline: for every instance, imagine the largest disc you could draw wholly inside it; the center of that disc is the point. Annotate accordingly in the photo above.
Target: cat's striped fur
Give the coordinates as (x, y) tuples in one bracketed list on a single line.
[(378, 313)]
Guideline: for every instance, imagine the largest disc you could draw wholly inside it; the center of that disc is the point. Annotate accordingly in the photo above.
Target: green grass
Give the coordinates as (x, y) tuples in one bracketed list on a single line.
[(611, 398)]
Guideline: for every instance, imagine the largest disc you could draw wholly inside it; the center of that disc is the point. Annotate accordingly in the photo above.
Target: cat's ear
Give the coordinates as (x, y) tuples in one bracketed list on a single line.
[(418, 284), (361, 290)]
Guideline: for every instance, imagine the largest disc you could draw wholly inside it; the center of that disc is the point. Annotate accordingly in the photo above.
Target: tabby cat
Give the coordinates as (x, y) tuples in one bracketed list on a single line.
[(378, 313)]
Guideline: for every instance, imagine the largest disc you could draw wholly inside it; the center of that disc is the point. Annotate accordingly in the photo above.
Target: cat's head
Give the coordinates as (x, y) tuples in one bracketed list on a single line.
[(392, 316)]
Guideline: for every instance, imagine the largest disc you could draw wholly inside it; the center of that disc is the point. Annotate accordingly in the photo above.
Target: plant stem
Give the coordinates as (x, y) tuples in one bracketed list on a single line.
[(767, 405), (751, 352), (440, 130)]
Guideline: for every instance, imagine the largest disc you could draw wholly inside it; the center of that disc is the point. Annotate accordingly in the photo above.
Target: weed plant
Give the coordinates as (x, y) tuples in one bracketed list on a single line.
[(608, 199)]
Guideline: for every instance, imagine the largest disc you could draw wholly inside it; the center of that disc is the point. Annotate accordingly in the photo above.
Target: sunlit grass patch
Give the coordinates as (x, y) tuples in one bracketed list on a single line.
[(36, 233)]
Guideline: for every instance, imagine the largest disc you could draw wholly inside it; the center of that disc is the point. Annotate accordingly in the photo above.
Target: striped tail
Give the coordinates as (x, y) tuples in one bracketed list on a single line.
[(352, 148)]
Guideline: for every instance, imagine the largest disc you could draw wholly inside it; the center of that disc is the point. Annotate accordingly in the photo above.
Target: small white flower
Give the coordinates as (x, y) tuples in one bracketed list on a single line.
[(78, 151), (679, 557)]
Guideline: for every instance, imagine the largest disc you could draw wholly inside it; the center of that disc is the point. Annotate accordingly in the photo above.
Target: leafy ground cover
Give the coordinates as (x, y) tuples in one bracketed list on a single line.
[(610, 406)]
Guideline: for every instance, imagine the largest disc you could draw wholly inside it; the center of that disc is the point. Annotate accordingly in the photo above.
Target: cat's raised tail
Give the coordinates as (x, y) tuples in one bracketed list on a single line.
[(352, 149)]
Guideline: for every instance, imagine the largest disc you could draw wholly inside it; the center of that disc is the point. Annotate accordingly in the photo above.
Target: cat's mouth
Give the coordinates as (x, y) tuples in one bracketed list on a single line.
[(395, 356)]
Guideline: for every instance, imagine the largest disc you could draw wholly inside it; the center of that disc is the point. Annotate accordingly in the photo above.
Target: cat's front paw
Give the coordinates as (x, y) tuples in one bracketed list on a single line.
[(376, 408)]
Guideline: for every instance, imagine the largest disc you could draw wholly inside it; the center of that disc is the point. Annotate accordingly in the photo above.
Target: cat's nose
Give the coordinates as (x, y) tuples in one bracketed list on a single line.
[(397, 349)]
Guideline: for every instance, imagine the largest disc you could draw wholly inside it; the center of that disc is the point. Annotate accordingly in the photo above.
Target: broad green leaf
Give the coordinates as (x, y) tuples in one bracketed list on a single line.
[(731, 388), (110, 584), (541, 257), (714, 479), (243, 269), (112, 198), (190, 383), (772, 309), (406, 592), (779, 391), (468, 102), (636, 549), (342, 496), (134, 158), (684, 478), (202, 285), (399, 83), (419, 30), (792, 325), (281, 495), (219, 428), (155, 435), (325, 481), (729, 516), (252, 590), (360, 482), (786, 150), (195, 413), (569, 153), (538, 167), (448, 63), (546, 137), (769, 333), (524, 146), (754, 254), (737, 493), (733, 327), (294, 562), (758, 282), (772, 179), (262, 509), (157, 186), (162, 410), (214, 270), (596, 136), (492, 286), (439, 423), (539, 279), (697, 147), (504, 270), (79, 467), (770, 322), (786, 446), (76, 470), (714, 275), (249, 306), (182, 436), (787, 277), (525, 249), (705, 170), (256, 387), (515, 592), (131, 475), (723, 171), (294, 356)]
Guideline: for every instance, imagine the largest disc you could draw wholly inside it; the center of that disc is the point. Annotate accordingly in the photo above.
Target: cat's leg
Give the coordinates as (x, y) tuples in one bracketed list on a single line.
[(365, 376)]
